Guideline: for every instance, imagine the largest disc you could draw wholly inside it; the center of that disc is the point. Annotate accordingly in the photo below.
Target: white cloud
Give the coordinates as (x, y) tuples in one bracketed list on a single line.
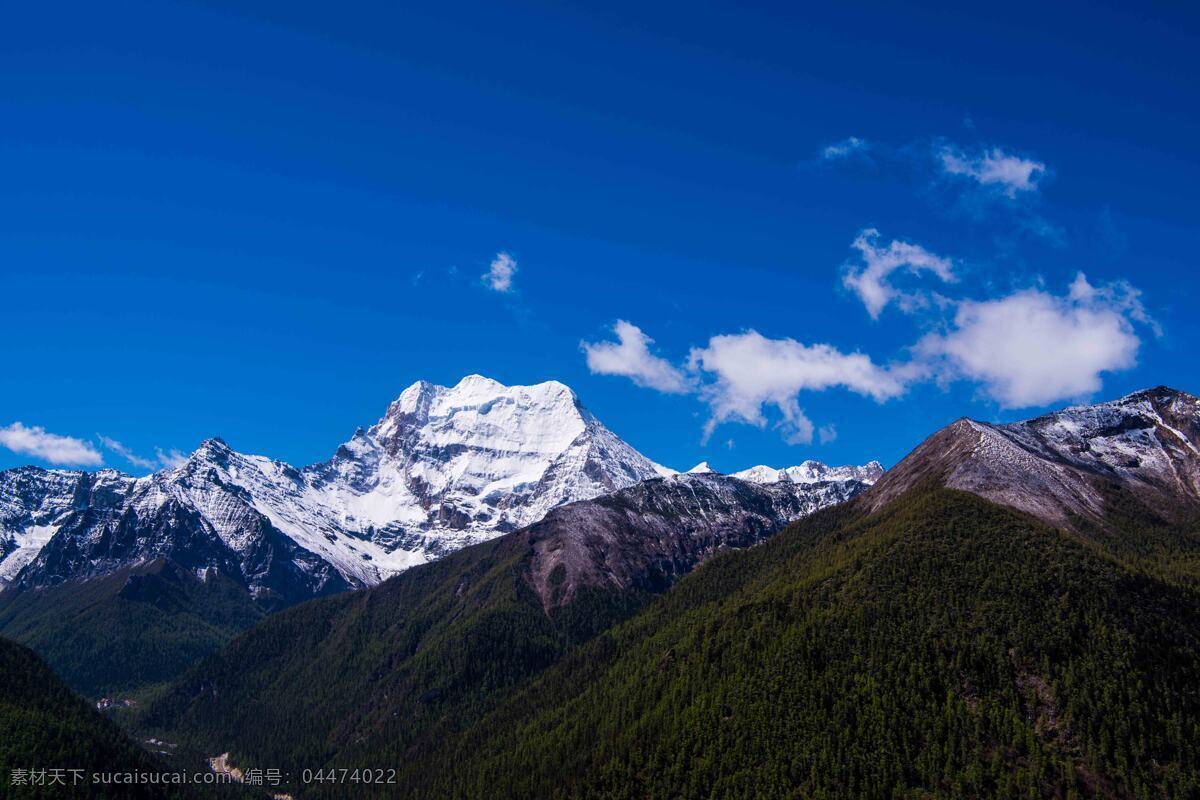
[(1119, 295), (870, 282), (39, 443), (843, 149), (1029, 348), (171, 458), (1010, 174), (752, 372), (631, 358), (1032, 348), (499, 276), (125, 453)]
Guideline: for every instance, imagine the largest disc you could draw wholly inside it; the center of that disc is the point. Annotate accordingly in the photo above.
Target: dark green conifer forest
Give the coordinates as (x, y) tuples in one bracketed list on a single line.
[(125, 632), (941, 647), (44, 726)]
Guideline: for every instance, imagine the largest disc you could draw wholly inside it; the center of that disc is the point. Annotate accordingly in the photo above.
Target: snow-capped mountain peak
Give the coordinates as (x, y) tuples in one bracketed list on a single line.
[(481, 414), (443, 468)]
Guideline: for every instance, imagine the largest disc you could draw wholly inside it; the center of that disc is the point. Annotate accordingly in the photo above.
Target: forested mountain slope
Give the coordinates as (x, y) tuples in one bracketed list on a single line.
[(138, 626), (437, 646), (44, 726), (943, 646), (1037, 636)]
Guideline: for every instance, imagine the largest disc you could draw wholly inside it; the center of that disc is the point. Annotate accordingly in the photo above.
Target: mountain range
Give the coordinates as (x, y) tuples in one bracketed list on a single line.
[(1010, 611), (444, 468), (121, 582)]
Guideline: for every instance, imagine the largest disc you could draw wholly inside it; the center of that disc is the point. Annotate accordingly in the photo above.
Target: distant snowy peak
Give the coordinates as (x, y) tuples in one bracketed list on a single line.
[(1056, 466), (35, 503), (445, 467), (481, 455), (703, 468), (480, 413), (812, 472)]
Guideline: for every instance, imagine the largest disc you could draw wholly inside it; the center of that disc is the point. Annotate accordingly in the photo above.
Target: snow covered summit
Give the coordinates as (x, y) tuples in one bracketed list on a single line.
[(474, 458), (445, 467)]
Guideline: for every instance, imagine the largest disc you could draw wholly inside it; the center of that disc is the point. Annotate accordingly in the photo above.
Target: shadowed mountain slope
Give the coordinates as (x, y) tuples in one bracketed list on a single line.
[(132, 628), (43, 726)]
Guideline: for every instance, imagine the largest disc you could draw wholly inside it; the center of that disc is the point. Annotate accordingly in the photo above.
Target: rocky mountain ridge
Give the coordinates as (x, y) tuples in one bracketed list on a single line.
[(649, 535), (444, 468), (1059, 467)]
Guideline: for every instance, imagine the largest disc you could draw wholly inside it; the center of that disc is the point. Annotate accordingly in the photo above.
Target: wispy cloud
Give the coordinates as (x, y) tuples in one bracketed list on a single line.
[(847, 147), (870, 280), (162, 458), (171, 458), (827, 434), (1009, 174), (630, 357), (125, 453), (51, 447), (979, 180), (499, 277)]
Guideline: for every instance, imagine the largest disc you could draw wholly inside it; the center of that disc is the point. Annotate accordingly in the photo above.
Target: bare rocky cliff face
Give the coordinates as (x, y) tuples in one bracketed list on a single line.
[(648, 536), (1061, 467), (35, 503)]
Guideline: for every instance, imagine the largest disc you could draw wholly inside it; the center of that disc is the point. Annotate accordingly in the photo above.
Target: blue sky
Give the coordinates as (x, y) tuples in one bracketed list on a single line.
[(842, 228)]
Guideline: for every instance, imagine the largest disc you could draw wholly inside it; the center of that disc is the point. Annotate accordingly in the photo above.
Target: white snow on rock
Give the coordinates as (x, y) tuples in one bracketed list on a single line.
[(34, 503), (444, 468), (1056, 466), (812, 472)]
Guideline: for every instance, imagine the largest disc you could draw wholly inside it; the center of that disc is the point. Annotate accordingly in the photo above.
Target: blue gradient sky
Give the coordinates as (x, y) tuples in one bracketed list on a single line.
[(263, 221)]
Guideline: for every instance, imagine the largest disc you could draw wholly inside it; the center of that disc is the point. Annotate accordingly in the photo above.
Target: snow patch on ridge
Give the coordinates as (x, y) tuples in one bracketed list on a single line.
[(812, 472)]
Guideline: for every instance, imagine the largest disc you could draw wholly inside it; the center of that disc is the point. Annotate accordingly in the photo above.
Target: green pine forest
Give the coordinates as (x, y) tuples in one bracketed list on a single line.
[(43, 725), (127, 631), (941, 647)]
